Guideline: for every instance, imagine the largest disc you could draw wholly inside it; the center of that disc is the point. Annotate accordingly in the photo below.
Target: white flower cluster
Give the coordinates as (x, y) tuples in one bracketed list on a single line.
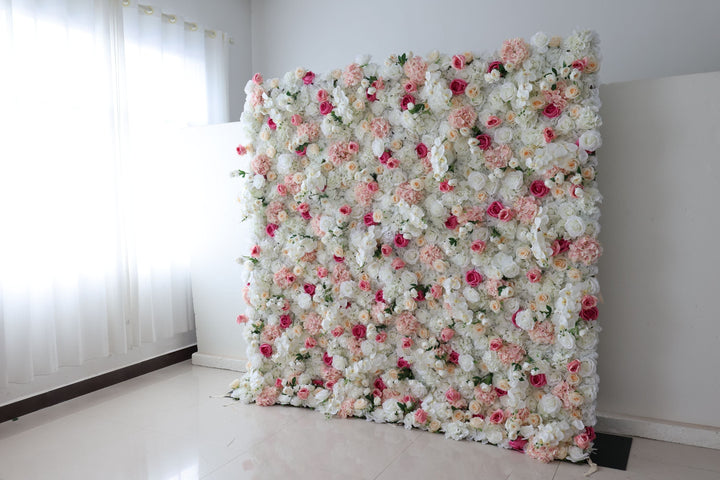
[(425, 243)]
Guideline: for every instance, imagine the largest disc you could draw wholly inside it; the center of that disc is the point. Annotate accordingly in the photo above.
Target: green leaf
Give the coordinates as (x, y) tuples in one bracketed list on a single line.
[(405, 373), (453, 241), (402, 59), (501, 288), (335, 117), (486, 379), (494, 232), (419, 107), (239, 173)]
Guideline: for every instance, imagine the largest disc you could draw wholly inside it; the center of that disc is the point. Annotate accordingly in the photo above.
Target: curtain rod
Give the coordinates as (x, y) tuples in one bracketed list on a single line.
[(173, 18)]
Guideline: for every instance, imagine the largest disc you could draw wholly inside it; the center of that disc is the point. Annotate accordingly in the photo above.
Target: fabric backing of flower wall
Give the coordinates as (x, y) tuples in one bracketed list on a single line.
[(425, 243)]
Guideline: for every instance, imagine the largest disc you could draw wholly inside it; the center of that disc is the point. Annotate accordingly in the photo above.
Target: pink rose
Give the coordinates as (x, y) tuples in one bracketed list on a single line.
[(492, 121), (454, 398), (346, 210), (589, 313), (296, 120), (534, 275), (405, 101), (393, 163), (452, 222), (381, 337), (574, 366), (401, 241), (242, 319), (368, 220), (303, 393), (494, 209), (447, 334), (337, 331), (326, 107), (406, 342), (473, 278), (308, 78), (241, 150), (436, 291), (322, 272), (285, 321), (552, 111), (266, 349), (310, 342), (496, 344), (458, 86), (282, 189), (271, 124), (539, 189), (484, 141), (495, 66), (402, 363), (398, 264), (373, 186), (580, 64), (445, 187), (309, 288), (458, 62), (559, 246), (548, 134), (379, 296), (421, 416), (582, 440), (498, 416), (364, 285), (589, 301), (421, 150), (257, 79), (386, 250), (410, 87), (538, 380), (322, 95), (359, 331), (270, 229), (478, 246), (255, 252), (505, 215), (327, 359)]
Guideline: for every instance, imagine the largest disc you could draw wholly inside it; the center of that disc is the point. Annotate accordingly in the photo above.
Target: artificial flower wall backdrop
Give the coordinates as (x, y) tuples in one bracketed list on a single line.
[(426, 240)]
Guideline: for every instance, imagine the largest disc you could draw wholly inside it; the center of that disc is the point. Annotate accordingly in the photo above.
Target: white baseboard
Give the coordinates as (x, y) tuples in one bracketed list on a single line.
[(667, 431), (214, 361)]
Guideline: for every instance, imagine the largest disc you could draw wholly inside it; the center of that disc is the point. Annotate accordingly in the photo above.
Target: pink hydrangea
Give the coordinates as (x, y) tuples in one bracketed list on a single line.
[(463, 117), (272, 211), (405, 192), (284, 277), (543, 333), (430, 254), (497, 156), (379, 127), (514, 51), (260, 164), (585, 250), (415, 69), (271, 333), (308, 132), (526, 209), (340, 274), (485, 398), (406, 323), (511, 353), (267, 397), (364, 193), (313, 323), (352, 75), (340, 152)]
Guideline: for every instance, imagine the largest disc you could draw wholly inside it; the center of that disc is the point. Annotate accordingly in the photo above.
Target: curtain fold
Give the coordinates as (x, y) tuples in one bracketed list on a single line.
[(93, 239)]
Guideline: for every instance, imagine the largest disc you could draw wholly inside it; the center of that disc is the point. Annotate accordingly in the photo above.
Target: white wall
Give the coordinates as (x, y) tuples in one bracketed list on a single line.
[(639, 38), (230, 16), (659, 170)]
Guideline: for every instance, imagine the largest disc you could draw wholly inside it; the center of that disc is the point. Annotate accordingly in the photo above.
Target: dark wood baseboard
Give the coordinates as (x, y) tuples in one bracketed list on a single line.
[(28, 405)]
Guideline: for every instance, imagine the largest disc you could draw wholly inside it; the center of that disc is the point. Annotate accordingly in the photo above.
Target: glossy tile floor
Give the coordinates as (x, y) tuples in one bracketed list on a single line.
[(166, 425)]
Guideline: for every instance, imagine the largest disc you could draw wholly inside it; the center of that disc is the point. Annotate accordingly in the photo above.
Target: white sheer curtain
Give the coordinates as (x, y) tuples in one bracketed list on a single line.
[(93, 242)]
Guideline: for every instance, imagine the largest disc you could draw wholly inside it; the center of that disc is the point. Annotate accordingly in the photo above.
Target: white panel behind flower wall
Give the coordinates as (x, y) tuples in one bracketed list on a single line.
[(659, 172), (219, 238)]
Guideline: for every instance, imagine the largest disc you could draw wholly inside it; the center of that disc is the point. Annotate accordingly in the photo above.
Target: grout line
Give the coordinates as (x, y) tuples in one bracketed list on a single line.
[(397, 456)]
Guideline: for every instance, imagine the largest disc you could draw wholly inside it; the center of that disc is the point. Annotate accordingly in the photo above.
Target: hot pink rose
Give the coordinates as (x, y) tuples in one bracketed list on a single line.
[(538, 380), (285, 321), (401, 241), (241, 150), (447, 334), (494, 209), (421, 150), (473, 278), (452, 222), (379, 296), (327, 359), (477, 246), (445, 187), (402, 363), (405, 101), (270, 229), (242, 319), (496, 65), (458, 62), (309, 288), (484, 141), (368, 219), (518, 444), (346, 210), (496, 344), (539, 189), (255, 252), (326, 107), (589, 313), (552, 111), (498, 416), (458, 86), (582, 440), (386, 250), (308, 78), (548, 134), (266, 349), (559, 246), (534, 275), (359, 331), (271, 124)]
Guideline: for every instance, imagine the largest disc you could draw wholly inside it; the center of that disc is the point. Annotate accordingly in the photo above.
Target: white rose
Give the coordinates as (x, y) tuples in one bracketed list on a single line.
[(322, 395), (466, 362), (566, 340), (471, 295), (258, 182), (575, 226), (540, 41), (590, 140), (477, 180), (503, 135), (549, 404), (513, 180), (525, 320), (304, 301), (576, 454), (339, 362), (284, 164)]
